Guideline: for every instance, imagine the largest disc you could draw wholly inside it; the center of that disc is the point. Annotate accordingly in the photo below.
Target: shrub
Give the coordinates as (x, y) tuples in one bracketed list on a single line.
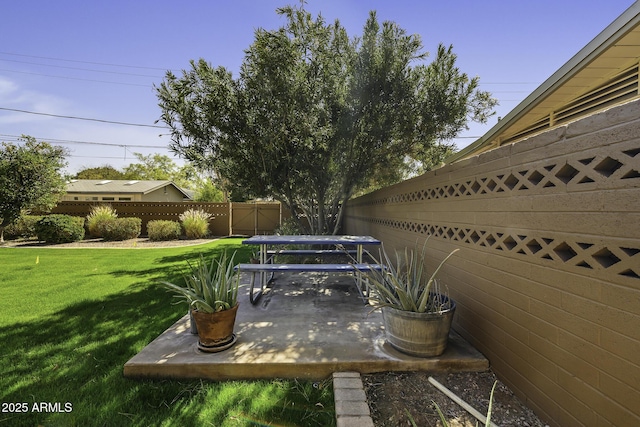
[(195, 223), (288, 227), (97, 219), (122, 229), (163, 230), (60, 229), (24, 227)]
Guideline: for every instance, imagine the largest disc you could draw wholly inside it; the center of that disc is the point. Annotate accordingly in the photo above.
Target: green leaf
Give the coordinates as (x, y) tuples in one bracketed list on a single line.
[(211, 286), (401, 285), (316, 116)]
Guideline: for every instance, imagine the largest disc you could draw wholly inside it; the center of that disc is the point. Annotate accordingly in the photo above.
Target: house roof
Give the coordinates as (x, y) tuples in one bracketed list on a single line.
[(87, 186), (603, 73)]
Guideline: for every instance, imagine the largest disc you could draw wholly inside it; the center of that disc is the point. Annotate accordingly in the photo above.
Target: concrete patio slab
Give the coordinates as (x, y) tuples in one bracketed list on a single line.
[(306, 325)]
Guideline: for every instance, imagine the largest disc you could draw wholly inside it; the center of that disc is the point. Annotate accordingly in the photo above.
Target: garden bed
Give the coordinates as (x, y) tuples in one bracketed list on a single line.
[(392, 396)]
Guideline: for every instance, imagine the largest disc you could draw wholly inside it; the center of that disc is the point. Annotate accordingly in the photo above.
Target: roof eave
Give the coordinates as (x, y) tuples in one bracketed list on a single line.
[(166, 183), (625, 22)]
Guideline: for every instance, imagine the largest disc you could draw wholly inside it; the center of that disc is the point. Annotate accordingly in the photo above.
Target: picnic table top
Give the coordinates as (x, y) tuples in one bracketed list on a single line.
[(311, 240)]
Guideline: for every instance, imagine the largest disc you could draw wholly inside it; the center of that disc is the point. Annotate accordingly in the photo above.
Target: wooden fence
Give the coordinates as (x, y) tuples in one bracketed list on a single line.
[(227, 218)]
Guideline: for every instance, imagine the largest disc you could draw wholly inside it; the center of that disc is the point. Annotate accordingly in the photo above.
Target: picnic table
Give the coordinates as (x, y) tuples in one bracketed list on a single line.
[(273, 245)]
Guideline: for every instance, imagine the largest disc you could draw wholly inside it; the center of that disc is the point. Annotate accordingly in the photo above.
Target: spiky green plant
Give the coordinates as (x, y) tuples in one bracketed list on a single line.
[(404, 285), (99, 219), (209, 287), (195, 223)]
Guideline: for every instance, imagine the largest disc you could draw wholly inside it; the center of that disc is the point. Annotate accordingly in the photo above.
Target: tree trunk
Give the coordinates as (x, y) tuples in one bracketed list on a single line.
[(339, 216), (322, 220)]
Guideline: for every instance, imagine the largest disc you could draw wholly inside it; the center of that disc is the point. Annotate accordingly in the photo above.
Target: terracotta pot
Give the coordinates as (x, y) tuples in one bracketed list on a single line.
[(215, 329), (418, 334)]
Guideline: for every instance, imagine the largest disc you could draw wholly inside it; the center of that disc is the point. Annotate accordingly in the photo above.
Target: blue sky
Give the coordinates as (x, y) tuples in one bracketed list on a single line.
[(100, 60)]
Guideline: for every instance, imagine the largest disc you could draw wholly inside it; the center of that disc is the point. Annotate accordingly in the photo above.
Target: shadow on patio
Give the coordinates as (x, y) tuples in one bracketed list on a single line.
[(305, 326)]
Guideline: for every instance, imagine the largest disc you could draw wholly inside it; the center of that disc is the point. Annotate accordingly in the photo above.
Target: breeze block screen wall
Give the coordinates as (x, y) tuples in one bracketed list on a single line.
[(547, 280)]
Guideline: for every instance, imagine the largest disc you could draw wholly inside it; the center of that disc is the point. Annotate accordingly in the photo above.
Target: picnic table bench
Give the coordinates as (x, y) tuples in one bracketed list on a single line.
[(273, 252), (319, 268), (267, 265)]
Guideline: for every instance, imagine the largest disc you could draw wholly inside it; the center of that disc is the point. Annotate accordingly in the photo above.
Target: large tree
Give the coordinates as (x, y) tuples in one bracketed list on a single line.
[(161, 167), (100, 172), (151, 167), (315, 116), (30, 178)]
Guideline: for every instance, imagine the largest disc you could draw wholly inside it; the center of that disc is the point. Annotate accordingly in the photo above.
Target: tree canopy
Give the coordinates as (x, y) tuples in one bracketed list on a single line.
[(157, 167), (316, 116), (30, 178), (160, 167), (100, 172)]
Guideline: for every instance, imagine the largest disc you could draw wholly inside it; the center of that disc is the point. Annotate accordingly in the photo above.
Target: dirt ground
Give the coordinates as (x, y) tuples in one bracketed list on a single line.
[(392, 396)]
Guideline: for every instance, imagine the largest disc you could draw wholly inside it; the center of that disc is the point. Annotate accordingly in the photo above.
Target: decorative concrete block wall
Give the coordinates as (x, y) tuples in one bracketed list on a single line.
[(548, 277)]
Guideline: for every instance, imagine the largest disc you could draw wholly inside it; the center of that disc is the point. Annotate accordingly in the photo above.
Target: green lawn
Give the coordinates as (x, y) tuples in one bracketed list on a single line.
[(71, 318)]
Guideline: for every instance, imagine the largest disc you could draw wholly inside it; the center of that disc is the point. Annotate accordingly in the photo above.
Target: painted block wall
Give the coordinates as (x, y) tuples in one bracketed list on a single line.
[(548, 277)]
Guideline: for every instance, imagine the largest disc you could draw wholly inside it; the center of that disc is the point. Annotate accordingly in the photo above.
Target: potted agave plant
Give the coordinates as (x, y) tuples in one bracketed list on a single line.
[(211, 291), (416, 311)]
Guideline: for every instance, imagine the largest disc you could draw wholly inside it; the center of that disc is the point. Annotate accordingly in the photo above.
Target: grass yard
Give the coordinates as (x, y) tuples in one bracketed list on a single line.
[(71, 318)]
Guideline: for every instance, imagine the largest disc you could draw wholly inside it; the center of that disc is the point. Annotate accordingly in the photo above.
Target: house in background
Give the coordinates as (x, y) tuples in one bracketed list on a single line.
[(124, 191)]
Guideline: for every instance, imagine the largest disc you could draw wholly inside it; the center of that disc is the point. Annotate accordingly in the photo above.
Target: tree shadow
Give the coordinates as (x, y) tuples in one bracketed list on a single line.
[(77, 354), (172, 267)]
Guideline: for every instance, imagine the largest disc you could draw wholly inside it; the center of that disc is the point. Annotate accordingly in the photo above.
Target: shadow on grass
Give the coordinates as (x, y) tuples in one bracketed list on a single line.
[(172, 267), (76, 355)]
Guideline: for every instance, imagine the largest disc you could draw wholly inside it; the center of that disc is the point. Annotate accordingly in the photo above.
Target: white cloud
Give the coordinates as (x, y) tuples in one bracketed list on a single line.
[(13, 96), (6, 87)]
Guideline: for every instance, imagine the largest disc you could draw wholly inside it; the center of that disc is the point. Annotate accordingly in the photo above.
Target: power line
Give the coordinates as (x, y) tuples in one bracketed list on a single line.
[(77, 68), (76, 78), (84, 62), (164, 69), (98, 157), (127, 154), (83, 118), (67, 141), (509, 83)]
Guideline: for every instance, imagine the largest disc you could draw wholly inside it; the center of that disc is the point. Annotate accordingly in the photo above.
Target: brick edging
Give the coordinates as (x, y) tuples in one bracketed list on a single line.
[(352, 409)]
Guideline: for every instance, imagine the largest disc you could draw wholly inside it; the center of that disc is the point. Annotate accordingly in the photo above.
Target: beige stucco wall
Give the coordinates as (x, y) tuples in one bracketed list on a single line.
[(548, 277), (166, 194), (171, 194), (82, 197)]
